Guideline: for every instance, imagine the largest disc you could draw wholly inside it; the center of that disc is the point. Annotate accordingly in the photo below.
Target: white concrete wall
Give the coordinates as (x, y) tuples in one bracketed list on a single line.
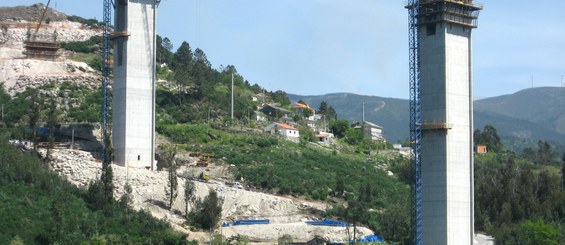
[(446, 154), (133, 123)]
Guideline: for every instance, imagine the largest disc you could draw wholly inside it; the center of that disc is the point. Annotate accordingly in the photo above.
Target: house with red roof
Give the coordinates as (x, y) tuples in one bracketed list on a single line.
[(324, 138), (284, 130)]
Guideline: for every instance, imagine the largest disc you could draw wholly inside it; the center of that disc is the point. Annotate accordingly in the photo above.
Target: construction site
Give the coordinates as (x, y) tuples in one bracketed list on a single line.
[(441, 125), (441, 107)]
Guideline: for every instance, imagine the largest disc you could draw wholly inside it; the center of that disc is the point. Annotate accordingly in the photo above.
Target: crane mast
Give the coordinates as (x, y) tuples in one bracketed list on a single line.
[(106, 78), (415, 119)]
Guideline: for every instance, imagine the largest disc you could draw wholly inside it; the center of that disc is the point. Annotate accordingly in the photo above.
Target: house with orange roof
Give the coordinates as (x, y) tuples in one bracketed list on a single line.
[(284, 130), (299, 110), (324, 138)]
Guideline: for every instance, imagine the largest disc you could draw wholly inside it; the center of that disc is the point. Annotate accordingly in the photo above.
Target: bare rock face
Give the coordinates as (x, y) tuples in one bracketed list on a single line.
[(18, 72), (30, 13)]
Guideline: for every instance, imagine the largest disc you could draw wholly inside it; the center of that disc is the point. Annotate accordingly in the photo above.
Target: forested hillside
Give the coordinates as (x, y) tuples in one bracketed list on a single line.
[(39, 207), (196, 92)]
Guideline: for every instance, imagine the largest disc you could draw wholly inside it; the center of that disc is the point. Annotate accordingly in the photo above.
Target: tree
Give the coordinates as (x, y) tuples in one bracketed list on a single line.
[(306, 134), (323, 108), (207, 212), (52, 120), (164, 50), (529, 154), (280, 97), (34, 115), (4, 100), (327, 110), (127, 198), (285, 239), (354, 136), (544, 153), (488, 137), (107, 176), (306, 113), (339, 187), (188, 194), (183, 56), (182, 64), (339, 127), (534, 233), (172, 183), (563, 171)]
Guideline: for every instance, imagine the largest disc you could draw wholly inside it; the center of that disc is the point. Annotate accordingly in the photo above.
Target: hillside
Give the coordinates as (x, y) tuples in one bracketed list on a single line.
[(285, 182), (543, 106), (390, 113), (18, 72), (39, 92), (531, 114)]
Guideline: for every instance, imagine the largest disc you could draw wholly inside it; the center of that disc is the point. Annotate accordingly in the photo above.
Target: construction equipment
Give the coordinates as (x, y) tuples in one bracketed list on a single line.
[(415, 119), (203, 158), (106, 76), (204, 177), (42, 47)]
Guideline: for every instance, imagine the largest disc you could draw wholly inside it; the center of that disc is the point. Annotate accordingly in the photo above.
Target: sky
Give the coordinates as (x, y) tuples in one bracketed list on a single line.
[(315, 47)]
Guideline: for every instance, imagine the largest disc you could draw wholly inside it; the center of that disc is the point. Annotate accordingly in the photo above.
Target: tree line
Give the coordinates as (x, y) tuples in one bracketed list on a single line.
[(519, 198)]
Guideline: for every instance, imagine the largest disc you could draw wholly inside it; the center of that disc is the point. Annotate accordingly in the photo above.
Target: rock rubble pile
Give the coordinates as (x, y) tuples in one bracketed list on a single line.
[(286, 215)]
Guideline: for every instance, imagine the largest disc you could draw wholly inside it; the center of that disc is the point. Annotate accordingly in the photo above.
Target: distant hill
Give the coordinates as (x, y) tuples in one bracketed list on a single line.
[(544, 106), (521, 118), (390, 113)]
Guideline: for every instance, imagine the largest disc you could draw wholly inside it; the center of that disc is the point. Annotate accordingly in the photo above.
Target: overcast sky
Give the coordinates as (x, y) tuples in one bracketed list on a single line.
[(314, 47)]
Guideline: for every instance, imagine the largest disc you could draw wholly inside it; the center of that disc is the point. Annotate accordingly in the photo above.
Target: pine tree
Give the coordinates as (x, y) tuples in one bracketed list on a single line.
[(52, 120), (188, 194), (172, 185), (106, 178)]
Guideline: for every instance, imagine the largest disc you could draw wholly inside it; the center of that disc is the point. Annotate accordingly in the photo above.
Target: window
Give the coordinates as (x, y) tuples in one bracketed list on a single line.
[(431, 29), (138, 157)]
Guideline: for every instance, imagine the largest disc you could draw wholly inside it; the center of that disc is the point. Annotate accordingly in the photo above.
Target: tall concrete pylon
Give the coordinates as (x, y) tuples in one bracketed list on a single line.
[(133, 112), (446, 88)]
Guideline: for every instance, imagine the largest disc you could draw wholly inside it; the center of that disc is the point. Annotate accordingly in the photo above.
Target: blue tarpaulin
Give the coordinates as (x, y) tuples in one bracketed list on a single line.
[(248, 222), (372, 238), (326, 222)]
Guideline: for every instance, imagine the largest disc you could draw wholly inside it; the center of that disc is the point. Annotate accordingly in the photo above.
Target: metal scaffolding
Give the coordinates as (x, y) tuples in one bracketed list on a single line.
[(413, 7), (106, 75)]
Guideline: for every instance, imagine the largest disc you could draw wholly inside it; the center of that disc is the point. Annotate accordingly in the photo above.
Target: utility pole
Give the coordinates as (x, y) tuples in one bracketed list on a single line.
[(232, 95), (363, 111)]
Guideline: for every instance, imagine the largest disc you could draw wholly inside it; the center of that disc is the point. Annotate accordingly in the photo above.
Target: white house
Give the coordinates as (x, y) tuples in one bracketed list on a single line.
[(324, 137), (282, 129), (373, 131)]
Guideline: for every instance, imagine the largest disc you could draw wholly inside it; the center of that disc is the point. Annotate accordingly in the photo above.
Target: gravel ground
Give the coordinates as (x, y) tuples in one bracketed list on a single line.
[(286, 215)]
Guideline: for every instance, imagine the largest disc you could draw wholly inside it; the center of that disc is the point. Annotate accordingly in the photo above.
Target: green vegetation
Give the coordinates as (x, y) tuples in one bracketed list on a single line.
[(83, 104), (519, 200), (87, 51), (89, 46), (206, 213), (38, 207), (278, 166), (93, 23)]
